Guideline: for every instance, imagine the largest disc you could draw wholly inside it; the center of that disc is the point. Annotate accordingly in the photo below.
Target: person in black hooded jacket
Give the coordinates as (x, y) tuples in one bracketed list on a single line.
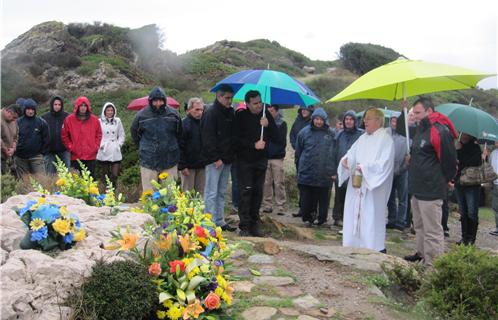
[(33, 141), (55, 119), (344, 140)]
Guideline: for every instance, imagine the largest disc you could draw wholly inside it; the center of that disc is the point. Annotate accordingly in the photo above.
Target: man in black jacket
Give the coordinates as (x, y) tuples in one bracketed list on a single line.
[(55, 119), (252, 160), (275, 177), (433, 165), (218, 153), (191, 163), (33, 142)]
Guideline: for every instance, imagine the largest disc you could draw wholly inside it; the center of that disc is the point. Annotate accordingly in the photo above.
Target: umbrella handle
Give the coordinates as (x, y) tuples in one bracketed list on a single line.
[(264, 115)]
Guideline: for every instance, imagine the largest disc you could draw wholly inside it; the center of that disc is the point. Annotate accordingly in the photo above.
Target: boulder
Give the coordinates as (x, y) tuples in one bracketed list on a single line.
[(34, 283)]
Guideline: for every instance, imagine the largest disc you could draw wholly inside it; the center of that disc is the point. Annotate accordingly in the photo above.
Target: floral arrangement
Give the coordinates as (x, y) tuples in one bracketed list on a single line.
[(49, 226), (83, 186), (185, 253)]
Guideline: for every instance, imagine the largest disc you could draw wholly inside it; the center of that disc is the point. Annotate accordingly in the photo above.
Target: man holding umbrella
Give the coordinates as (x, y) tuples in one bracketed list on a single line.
[(433, 165), (252, 159)]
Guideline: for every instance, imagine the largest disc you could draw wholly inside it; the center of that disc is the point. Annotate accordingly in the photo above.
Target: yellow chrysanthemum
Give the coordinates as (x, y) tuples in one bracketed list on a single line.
[(93, 190), (175, 312), (79, 235), (36, 224), (60, 182), (193, 273), (61, 226), (163, 175), (161, 314)]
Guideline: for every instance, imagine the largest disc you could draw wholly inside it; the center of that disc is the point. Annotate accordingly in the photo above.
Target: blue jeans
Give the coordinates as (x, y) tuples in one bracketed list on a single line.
[(468, 201), (214, 191), (397, 213), (65, 156)]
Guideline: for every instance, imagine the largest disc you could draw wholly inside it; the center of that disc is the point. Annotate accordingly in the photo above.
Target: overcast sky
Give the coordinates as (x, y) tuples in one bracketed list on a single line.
[(457, 32)]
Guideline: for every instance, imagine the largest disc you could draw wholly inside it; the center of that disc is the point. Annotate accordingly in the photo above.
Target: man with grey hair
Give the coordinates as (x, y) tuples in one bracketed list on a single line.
[(368, 165), (191, 164)]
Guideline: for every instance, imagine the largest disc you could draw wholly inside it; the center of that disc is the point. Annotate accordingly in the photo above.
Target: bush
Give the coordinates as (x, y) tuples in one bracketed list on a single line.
[(8, 187), (408, 278), (361, 57), (118, 290), (464, 285)]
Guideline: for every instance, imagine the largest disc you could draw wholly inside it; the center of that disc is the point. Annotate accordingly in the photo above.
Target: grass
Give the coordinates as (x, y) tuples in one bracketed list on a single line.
[(279, 272), (486, 214), (402, 311)]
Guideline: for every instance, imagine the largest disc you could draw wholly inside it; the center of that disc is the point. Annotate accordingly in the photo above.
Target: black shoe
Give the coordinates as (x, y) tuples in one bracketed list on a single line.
[(244, 233), (256, 232), (494, 233), (413, 258), (390, 226), (295, 215), (383, 251), (228, 227), (446, 234)]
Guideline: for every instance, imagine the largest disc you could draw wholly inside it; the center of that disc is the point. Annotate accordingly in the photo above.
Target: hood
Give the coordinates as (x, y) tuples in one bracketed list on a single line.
[(157, 93), (20, 102), (29, 104), (51, 104), (310, 108), (352, 114), (102, 115), (79, 101), (319, 112), (440, 118)]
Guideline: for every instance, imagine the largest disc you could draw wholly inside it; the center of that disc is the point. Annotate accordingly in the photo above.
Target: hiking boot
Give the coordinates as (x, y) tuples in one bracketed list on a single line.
[(494, 233), (446, 234), (256, 232), (244, 233), (228, 227), (413, 258)]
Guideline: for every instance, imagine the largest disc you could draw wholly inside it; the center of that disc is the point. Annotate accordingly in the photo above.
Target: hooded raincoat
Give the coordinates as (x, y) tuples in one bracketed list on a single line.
[(113, 136)]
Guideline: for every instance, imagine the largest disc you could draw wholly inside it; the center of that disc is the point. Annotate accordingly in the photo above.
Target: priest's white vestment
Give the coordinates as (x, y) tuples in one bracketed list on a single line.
[(364, 223)]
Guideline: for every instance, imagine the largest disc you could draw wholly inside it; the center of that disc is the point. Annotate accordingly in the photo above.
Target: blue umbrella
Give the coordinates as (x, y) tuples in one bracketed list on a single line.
[(275, 87)]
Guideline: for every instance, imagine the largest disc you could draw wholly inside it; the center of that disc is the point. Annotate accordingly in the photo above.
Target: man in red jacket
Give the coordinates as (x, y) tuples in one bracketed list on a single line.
[(81, 135)]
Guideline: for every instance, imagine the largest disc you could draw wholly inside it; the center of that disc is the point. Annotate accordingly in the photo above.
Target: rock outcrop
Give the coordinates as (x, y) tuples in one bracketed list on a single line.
[(34, 283)]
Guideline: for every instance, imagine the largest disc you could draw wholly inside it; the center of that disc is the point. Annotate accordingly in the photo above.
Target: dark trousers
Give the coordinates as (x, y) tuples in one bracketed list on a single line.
[(339, 199), (468, 205), (251, 179), (235, 190), (111, 170), (313, 197), (444, 218), (89, 164)]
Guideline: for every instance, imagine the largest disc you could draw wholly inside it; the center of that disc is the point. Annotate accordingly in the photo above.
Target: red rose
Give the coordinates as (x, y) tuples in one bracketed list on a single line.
[(200, 232), (155, 269), (175, 263), (212, 301)]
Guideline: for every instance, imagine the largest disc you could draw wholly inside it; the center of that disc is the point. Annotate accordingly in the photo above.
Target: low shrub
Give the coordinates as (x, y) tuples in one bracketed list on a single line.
[(8, 186), (464, 285), (407, 278), (117, 290)]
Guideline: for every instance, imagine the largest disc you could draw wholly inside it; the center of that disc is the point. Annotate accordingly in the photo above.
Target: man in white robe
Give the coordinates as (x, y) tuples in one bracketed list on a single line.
[(364, 224)]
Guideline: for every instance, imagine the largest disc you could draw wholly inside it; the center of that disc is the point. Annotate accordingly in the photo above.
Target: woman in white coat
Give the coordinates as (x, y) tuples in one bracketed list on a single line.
[(113, 136)]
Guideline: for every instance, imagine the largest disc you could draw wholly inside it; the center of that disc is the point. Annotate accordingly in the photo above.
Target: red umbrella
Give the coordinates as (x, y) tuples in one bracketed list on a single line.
[(140, 103)]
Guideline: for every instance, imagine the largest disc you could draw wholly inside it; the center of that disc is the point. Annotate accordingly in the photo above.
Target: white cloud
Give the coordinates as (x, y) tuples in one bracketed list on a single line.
[(453, 32)]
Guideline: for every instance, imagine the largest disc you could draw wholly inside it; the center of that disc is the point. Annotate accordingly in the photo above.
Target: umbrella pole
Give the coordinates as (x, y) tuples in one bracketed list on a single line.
[(405, 111), (264, 113)]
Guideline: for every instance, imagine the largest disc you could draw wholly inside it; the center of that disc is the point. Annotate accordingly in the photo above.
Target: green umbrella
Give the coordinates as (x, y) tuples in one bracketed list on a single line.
[(471, 120), (405, 78)]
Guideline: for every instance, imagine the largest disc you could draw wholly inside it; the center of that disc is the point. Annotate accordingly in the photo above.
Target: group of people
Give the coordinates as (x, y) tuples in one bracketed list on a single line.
[(371, 170), (31, 144)]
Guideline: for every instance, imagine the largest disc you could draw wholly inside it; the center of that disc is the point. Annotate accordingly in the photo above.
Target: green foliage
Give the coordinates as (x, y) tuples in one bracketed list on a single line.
[(361, 58), (90, 63), (118, 290), (407, 278), (464, 285), (8, 186)]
